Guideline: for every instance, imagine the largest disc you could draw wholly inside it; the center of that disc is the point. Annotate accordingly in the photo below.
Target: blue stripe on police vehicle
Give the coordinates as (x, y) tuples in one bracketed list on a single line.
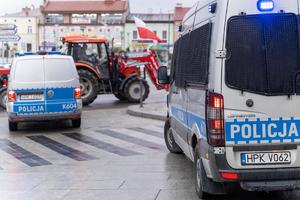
[(58, 100), (262, 131), (189, 119)]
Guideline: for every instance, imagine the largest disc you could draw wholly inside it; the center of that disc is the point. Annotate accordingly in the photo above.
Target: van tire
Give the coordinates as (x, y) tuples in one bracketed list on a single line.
[(92, 82), (169, 139), (3, 97), (76, 123), (132, 90), (201, 178), (13, 126)]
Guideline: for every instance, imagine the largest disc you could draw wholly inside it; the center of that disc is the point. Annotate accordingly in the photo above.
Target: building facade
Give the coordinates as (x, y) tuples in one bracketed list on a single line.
[(26, 22), (102, 18), (179, 14)]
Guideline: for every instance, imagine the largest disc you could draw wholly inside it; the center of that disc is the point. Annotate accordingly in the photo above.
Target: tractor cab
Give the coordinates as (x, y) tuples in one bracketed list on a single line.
[(92, 52)]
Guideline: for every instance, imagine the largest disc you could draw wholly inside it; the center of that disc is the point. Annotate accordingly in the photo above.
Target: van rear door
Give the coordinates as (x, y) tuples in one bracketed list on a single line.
[(28, 83), (261, 91), (61, 79)]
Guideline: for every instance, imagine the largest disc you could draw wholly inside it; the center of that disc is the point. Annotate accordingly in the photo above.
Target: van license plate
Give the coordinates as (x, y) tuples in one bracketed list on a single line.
[(266, 158), (27, 97)]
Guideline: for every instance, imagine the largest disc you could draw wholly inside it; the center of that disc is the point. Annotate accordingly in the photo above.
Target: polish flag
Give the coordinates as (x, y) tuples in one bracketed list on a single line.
[(144, 31)]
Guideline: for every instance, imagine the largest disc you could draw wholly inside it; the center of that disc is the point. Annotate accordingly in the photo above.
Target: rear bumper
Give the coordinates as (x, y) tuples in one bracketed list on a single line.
[(255, 179), (13, 117)]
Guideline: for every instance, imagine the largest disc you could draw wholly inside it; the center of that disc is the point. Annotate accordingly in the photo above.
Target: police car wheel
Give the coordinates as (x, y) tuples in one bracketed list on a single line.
[(13, 126), (169, 139), (200, 176), (3, 98), (132, 90), (76, 123)]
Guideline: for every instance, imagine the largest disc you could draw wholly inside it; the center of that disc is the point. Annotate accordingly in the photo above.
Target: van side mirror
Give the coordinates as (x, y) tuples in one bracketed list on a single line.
[(162, 75)]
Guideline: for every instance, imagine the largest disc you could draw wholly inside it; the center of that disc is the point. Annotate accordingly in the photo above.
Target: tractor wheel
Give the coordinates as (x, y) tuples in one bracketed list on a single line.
[(120, 96), (89, 86), (132, 90), (3, 98)]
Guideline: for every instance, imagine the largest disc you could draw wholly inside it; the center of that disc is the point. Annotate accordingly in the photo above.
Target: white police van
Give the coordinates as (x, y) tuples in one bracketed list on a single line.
[(234, 102), (42, 88)]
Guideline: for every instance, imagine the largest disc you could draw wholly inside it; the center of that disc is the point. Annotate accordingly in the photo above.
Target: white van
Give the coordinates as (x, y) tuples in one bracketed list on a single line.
[(43, 87), (234, 104)]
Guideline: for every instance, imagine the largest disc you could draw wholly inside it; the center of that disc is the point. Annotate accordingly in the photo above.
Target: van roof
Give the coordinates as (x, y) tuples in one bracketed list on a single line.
[(42, 57)]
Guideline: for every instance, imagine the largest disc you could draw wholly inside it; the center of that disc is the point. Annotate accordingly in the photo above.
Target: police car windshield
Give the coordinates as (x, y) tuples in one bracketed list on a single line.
[(29, 71), (59, 69)]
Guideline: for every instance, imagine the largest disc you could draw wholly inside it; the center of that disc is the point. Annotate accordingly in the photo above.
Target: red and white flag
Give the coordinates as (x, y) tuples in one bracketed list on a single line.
[(144, 31)]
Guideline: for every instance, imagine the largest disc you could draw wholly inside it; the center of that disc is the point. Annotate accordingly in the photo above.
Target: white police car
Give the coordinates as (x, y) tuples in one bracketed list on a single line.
[(42, 88), (234, 102)]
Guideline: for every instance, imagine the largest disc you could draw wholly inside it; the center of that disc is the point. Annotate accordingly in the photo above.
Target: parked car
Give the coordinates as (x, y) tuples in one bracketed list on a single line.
[(233, 106), (43, 88)]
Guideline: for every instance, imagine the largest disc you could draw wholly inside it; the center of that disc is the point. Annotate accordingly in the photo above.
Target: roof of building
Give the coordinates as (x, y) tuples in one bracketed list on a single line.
[(180, 12), (81, 6), (154, 18), (25, 12)]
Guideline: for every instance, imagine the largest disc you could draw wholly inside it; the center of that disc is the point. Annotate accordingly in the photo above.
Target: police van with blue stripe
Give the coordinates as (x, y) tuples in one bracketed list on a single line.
[(43, 87), (234, 102)]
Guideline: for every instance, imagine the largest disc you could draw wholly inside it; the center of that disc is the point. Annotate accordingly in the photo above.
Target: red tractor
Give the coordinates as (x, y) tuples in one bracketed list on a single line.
[(4, 72), (102, 72)]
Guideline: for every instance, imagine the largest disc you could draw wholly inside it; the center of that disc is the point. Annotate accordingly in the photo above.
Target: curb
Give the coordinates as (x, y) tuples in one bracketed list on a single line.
[(134, 112)]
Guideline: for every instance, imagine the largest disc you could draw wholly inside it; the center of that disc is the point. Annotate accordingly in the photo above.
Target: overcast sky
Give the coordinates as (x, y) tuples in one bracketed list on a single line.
[(136, 5)]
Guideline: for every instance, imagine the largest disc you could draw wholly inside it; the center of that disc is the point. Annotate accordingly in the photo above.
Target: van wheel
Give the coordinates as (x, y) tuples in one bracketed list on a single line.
[(13, 126), (169, 139), (201, 178), (76, 123), (132, 90), (3, 98), (89, 86)]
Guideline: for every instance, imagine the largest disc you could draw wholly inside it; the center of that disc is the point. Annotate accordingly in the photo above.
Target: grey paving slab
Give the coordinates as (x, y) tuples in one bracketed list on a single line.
[(61, 148), (131, 139), (101, 145), (111, 195), (22, 154), (148, 131)]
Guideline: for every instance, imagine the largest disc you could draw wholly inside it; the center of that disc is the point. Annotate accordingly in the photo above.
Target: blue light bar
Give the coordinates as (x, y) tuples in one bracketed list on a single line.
[(18, 54), (265, 5), (55, 53)]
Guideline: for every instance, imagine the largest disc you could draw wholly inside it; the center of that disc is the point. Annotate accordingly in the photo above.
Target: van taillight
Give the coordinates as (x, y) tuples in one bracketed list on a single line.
[(77, 93), (215, 120), (12, 96)]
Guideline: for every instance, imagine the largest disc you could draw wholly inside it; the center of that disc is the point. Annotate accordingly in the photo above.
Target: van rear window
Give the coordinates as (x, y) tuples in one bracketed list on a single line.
[(59, 70), (29, 71), (263, 53)]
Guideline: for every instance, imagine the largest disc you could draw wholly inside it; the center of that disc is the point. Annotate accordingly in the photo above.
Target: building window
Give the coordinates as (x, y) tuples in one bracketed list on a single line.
[(54, 19), (29, 29), (84, 19), (165, 35), (29, 20), (134, 35), (117, 18)]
